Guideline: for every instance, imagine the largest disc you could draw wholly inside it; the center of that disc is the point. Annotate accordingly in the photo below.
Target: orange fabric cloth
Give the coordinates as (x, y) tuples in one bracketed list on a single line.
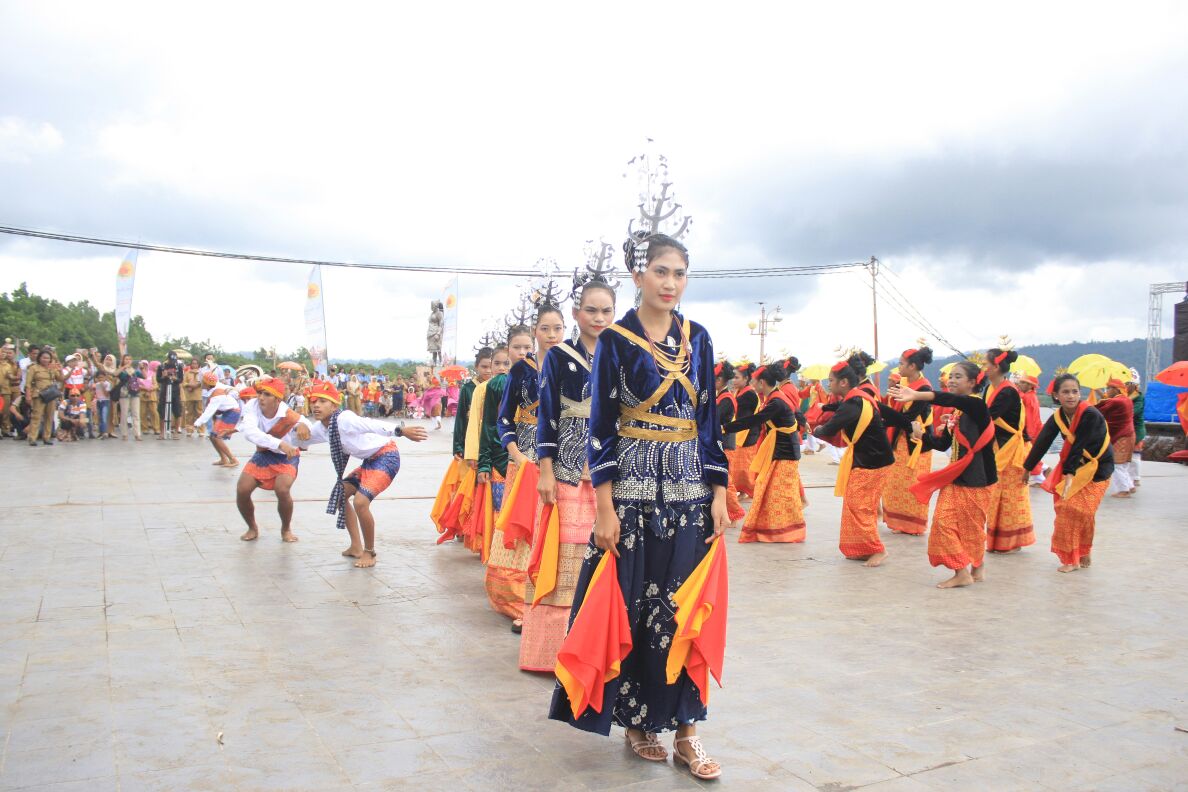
[(744, 481), (599, 639), (777, 515), (445, 493), (699, 642), (1076, 521), (1055, 483), (517, 519), (546, 550), (1010, 525), (937, 479), (1123, 449), (902, 512), (958, 536), (860, 507)]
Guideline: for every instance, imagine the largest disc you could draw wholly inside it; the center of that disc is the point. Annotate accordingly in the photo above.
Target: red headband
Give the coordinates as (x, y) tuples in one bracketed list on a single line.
[(718, 370), (907, 353), (759, 371), (272, 385), (1001, 356), (841, 365), (324, 390)]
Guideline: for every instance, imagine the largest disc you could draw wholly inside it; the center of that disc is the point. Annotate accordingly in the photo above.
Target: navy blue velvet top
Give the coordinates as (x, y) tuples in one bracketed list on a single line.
[(521, 392), (563, 418)]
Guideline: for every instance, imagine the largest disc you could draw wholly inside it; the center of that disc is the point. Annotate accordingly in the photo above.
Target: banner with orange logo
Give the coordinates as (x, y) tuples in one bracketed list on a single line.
[(315, 321), (449, 331), (125, 280)]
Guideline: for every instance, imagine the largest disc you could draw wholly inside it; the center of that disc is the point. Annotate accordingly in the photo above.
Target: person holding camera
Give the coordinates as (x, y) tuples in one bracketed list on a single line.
[(128, 394), (169, 404), (43, 388)]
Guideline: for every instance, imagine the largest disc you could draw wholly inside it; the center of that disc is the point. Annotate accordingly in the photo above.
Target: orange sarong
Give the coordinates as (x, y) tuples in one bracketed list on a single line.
[(744, 480), (902, 511), (860, 509), (1123, 450), (734, 509), (777, 514), (1076, 520), (958, 537), (1010, 526), (507, 568)]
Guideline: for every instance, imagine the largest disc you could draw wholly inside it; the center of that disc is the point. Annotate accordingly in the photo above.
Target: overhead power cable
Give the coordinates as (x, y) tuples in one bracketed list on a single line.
[(739, 272)]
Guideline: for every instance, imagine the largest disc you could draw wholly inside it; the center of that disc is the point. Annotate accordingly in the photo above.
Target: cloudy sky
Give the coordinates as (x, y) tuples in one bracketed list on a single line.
[(1020, 172)]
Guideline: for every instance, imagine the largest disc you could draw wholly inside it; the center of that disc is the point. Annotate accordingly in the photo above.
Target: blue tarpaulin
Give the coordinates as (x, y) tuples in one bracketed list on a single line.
[(1160, 403)]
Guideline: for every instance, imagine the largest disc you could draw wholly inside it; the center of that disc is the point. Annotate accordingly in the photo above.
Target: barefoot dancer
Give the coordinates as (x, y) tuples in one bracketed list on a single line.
[(226, 411), (1010, 527), (562, 429), (777, 515), (517, 433), (1079, 480), (864, 467), (902, 512), (350, 435), (275, 430), (727, 410), (659, 475), (966, 484)]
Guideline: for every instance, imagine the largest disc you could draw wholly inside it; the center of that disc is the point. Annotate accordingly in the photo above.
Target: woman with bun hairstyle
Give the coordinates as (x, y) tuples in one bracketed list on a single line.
[(966, 484), (902, 512), (746, 442), (1010, 526), (864, 467), (727, 409), (1079, 480), (660, 477), (777, 514)]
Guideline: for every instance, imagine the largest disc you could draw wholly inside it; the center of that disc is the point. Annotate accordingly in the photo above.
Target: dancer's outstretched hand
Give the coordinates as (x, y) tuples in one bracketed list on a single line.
[(415, 433)]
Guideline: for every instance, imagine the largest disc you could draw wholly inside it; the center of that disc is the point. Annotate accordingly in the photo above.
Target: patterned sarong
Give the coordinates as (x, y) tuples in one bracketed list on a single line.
[(744, 480), (376, 473), (1010, 525), (265, 466), (958, 537), (902, 511), (1076, 520), (860, 507), (545, 623), (225, 423), (778, 512), (734, 509)]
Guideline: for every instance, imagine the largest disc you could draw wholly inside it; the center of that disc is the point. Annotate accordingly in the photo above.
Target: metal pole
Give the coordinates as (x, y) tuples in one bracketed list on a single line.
[(874, 305), (762, 330)]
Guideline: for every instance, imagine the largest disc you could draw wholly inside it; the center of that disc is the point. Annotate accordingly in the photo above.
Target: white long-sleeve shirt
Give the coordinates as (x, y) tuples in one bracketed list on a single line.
[(217, 404), (254, 426), (361, 437)]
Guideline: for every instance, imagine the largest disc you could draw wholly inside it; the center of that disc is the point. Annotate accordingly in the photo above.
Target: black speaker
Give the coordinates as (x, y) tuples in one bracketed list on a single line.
[(1180, 328)]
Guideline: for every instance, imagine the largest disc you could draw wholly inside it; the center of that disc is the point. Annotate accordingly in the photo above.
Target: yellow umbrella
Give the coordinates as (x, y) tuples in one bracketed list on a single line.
[(1098, 374), (1085, 362), (876, 367), (1027, 365), (817, 371)]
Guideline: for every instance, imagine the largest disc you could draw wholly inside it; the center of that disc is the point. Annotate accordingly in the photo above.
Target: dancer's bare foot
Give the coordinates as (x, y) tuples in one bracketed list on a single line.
[(230, 463), (960, 578), (979, 574), (1120, 495), (1086, 562), (1068, 567), (250, 535), (367, 560), (287, 535), (352, 552), (876, 559), (219, 462)]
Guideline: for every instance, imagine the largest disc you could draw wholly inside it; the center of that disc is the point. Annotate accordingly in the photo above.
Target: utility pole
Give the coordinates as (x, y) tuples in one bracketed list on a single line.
[(763, 327), (873, 266)]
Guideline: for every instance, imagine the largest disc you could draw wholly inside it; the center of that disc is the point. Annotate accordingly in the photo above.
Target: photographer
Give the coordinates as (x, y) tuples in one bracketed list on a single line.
[(169, 377), (43, 388)]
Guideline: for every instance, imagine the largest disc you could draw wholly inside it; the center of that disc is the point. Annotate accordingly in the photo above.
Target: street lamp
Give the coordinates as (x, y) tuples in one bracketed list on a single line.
[(764, 326)]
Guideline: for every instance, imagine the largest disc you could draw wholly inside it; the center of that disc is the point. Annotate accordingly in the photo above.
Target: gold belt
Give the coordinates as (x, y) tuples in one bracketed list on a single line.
[(682, 428)]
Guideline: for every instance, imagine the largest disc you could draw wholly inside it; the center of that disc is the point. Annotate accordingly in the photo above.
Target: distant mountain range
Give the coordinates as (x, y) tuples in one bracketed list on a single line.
[(1133, 353)]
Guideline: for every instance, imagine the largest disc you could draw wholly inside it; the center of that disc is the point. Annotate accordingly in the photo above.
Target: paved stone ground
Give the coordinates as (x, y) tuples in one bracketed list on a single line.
[(136, 630)]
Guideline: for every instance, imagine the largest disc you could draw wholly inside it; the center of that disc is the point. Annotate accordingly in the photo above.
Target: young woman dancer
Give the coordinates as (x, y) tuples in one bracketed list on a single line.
[(727, 409), (1010, 527), (902, 512), (966, 484), (864, 467), (1079, 480), (777, 514), (747, 442), (659, 475), (562, 429)]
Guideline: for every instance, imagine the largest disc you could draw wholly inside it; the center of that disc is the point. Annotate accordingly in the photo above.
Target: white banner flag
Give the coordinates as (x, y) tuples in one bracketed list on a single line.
[(125, 280), (315, 321), (449, 333)]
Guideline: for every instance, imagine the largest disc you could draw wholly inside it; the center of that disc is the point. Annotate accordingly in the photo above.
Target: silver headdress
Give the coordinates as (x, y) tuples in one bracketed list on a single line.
[(659, 212), (598, 269), (545, 290)]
